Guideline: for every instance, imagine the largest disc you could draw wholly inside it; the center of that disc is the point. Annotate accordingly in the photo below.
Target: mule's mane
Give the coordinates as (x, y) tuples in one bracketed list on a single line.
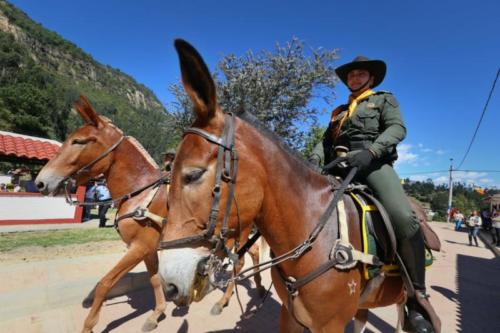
[(110, 123), (133, 141), (144, 152), (264, 130)]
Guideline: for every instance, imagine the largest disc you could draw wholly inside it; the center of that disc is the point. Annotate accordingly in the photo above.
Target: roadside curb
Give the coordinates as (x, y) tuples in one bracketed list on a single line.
[(486, 239)]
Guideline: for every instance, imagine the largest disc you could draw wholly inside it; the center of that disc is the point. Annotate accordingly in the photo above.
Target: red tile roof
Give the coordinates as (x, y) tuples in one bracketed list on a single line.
[(23, 146)]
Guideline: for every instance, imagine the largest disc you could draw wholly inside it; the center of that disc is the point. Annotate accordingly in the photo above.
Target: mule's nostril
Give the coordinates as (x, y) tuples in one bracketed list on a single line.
[(171, 291), (40, 185)]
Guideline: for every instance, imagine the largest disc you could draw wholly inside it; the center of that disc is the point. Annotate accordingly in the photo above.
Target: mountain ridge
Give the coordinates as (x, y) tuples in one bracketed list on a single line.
[(41, 74)]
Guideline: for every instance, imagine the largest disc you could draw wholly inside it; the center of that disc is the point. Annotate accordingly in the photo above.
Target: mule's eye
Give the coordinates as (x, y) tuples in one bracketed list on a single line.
[(79, 141), (193, 175)]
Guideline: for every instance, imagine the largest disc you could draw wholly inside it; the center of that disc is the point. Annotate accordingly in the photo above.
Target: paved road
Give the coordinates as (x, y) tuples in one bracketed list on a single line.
[(463, 284)]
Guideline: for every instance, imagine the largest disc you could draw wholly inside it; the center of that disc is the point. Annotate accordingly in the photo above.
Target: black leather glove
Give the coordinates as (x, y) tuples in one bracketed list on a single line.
[(362, 160)]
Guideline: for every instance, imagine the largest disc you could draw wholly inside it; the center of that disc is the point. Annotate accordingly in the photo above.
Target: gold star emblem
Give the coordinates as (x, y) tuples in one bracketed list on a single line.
[(352, 287)]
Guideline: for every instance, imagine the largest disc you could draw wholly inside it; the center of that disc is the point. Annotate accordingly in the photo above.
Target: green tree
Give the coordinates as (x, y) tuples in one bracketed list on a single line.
[(278, 87), (314, 136)]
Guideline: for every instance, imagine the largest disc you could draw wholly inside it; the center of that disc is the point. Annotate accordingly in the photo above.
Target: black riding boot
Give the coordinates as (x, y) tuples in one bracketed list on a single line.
[(412, 252)]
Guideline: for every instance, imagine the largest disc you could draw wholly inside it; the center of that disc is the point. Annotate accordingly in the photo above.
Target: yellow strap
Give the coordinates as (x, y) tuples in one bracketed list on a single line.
[(353, 103)]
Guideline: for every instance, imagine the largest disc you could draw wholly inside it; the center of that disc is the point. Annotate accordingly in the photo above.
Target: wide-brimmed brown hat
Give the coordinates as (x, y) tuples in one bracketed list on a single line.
[(169, 152), (377, 68)]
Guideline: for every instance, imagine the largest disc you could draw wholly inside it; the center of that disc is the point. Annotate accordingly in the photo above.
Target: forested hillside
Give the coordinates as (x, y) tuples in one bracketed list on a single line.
[(465, 198), (42, 74)]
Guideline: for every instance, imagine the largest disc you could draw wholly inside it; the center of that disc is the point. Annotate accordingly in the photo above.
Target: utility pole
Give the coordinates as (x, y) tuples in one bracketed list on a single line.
[(450, 188)]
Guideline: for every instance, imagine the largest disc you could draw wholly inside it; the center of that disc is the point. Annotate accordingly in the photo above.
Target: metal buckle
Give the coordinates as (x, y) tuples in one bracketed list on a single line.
[(140, 214), (306, 245), (290, 287)]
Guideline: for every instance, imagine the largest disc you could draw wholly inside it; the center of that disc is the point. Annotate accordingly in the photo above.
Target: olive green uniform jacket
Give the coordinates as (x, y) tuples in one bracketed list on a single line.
[(376, 124)]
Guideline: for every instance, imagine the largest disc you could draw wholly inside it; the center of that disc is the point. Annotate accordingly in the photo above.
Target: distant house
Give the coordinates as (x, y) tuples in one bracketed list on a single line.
[(31, 207), (494, 201)]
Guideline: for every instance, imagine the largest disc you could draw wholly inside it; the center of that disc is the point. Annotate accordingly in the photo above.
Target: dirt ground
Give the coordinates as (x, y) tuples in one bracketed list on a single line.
[(46, 295), (38, 253)]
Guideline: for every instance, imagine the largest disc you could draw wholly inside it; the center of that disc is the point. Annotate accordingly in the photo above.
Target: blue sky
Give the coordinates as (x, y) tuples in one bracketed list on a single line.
[(442, 57)]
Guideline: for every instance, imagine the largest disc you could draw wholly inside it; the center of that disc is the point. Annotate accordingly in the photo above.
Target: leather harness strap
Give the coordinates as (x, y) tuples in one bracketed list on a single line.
[(142, 212), (226, 170)]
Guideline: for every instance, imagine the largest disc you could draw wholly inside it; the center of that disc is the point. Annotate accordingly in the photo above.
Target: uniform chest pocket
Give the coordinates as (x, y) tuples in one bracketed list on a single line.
[(369, 119)]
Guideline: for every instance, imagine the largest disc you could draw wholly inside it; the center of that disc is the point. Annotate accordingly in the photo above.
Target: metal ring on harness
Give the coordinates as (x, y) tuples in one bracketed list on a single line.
[(140, 214), (343, 254)]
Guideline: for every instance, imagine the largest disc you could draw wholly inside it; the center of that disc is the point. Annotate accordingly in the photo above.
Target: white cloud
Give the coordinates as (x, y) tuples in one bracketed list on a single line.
[(405, 155), (441, 180), (466, 177), (440, 152), (423, 149)]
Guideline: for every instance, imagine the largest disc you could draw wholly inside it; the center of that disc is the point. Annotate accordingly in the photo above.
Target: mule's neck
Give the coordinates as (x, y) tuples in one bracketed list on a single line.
[(132, 168), (295, 196)]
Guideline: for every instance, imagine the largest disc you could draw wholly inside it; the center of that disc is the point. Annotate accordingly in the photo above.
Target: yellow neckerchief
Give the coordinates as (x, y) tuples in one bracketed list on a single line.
[(353, 103)]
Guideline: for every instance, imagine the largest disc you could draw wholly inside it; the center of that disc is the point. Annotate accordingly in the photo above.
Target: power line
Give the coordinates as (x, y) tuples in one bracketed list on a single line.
[(476, 170), (444, 171), (480, 119), (422, 172)]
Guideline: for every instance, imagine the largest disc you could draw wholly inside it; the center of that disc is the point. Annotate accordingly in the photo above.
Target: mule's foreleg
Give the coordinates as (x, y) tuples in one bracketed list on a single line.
[(126, 263), (288, 324), (360, 319), (151, 261), (217, 308), (254, 254), (401, 317)]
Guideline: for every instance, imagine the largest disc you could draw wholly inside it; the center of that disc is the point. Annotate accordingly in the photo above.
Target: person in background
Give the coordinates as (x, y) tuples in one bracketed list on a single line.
[(17, 188), (168, 161), (3, 187), (458, 218), (486, 217), (102, 195), (496, 227), (90, 196), (474, 223)]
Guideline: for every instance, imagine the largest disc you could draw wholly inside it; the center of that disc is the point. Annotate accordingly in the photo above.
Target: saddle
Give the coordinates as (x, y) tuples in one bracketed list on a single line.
[(378, 236)]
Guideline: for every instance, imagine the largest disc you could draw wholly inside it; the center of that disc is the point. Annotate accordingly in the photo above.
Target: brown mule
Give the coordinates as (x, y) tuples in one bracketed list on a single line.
[(274, 188), (127, 167)]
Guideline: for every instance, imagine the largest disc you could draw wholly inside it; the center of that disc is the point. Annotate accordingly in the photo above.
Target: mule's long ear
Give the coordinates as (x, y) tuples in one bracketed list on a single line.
[(86, 111), (197, 80)]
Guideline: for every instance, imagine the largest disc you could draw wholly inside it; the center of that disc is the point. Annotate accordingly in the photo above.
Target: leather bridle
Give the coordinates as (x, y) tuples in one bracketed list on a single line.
[(226, 171), (67, 181)]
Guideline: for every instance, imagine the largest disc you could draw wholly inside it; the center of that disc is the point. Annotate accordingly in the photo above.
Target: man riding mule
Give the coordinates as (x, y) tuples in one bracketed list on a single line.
[(368, 128), (229, 172)]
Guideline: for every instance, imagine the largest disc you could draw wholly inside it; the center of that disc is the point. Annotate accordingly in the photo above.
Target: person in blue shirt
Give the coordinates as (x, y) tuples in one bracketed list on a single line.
[(89, 197), (102, 195)]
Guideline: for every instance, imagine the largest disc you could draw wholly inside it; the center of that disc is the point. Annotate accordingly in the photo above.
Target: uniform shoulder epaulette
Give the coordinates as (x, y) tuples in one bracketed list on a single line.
[(382, 92)]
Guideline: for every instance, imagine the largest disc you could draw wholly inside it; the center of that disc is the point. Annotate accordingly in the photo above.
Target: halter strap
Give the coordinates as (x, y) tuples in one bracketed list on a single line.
[(87, 166), (208, 136), (226, 170)]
